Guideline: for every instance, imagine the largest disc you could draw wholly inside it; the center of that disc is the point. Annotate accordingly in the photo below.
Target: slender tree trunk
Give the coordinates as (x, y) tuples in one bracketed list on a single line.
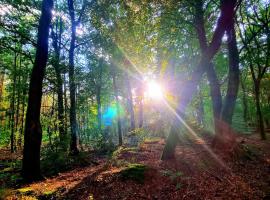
[(2, 79), (23, 112), (65, 104), (119, 124), (258, 109), (72, 86), (130, 103), (245, 104), (59, 82), (33, 131), (12, 105)]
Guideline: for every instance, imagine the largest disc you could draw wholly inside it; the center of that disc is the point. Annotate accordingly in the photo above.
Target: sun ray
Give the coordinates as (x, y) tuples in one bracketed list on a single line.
[(192, 132)]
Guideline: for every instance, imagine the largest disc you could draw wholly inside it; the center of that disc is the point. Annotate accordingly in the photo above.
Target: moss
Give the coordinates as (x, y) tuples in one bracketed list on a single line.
[(26, 189), (120, 150), (134, 172), (151, 140), (250, 152), (50, 194)]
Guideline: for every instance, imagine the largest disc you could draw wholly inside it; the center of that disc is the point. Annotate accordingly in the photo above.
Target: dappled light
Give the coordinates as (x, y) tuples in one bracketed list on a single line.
[(134, 99)]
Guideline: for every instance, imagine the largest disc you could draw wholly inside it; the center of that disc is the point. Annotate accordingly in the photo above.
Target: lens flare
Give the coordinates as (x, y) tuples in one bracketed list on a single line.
[(154, 90)]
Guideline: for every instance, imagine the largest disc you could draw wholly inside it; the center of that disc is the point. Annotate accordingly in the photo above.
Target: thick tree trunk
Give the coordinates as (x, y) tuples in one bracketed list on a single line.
[(33, 131), (227, 13), (130, 103), (214, 91), (234, 76), (72, 87)]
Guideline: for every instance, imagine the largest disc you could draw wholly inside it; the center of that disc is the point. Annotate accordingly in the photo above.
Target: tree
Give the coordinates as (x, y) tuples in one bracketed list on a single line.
[(255, 39), (57, 39), (33, 131), (227, 13)]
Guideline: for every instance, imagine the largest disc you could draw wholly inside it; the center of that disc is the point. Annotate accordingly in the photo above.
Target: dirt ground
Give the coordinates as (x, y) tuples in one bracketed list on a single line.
[(196, 173)]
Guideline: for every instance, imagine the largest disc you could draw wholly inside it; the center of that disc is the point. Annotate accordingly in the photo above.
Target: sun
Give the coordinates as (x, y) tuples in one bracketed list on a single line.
[(154, 90)]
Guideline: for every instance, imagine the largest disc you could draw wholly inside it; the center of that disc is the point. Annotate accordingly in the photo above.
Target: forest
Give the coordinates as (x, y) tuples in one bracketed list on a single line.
[(134, 99)]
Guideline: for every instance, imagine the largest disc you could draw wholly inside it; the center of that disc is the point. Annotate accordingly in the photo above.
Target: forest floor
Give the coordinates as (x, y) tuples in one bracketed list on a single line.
[(138, 173)]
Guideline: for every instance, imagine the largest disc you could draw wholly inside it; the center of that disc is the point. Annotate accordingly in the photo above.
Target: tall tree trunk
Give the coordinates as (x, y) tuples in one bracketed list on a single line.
[(59, 82), (216, 97), (211, 73), (65, 104), (72, 86), (130, 103), (234, 75), (12, 105), (119, 125), (2, 79), (258, 109), (18, 96), (33, 131), (24, 92), (227, 13)]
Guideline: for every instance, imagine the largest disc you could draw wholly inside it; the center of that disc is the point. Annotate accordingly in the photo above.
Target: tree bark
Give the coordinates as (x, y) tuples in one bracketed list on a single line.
[(130, 103), (2, 79), (33, 131), (59, 82), (119, 124), (12, 105), (258, 109), (234, 75), (72, 87)]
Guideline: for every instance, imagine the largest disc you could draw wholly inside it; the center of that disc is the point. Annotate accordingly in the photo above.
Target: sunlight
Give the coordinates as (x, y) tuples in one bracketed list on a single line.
[(192, 132), (154, 90)]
